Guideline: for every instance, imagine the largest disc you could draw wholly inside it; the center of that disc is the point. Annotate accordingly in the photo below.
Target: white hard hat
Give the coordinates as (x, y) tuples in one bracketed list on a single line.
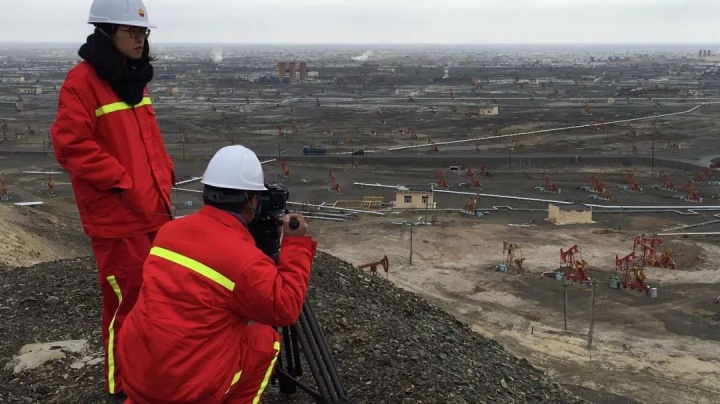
[(120, 12), (235, 167)]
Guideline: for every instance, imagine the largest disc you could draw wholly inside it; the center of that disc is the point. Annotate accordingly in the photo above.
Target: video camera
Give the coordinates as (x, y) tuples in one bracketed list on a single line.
[(266, 229), (306, 334)]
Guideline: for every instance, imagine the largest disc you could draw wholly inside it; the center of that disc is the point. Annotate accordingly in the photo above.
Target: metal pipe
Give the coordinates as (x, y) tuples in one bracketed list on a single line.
[(690, 226), (553, 129), (195, 191), (345, 215), (502, 196), (324, 218), (377, 185), (341, 209), (690, 234)]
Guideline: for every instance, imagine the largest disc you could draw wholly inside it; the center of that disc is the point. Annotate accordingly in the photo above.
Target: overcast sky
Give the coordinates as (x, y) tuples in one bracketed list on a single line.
[(386, 21)]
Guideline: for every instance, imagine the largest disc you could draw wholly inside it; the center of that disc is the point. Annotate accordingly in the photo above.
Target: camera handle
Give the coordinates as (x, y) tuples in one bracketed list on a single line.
[(294, 223)]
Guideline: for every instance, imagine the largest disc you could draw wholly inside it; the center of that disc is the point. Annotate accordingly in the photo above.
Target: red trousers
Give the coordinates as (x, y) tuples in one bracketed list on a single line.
[(260, 348), (259, 353), (120, 264)]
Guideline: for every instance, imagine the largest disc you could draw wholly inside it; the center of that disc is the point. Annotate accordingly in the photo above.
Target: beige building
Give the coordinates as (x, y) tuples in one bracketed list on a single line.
[(12, 79), (29, 90), (414, 197), (488, 111), (569, 214)]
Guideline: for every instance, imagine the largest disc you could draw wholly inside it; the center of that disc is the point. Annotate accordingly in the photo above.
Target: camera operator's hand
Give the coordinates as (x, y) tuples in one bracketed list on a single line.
[(301, 228)]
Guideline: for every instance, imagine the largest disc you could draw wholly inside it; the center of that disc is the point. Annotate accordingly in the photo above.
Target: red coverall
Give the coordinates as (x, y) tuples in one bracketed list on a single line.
[(188, 339), (105, 144)]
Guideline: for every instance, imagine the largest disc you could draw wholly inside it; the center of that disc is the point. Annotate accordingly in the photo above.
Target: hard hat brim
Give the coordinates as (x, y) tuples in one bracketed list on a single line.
[(128, 23), (226, 186)]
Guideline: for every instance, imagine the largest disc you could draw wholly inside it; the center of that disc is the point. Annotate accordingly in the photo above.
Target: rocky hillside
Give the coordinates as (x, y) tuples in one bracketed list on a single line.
[(390, 345)]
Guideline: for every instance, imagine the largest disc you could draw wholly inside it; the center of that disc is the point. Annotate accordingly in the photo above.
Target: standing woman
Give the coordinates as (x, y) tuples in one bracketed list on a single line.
[(107, 138)]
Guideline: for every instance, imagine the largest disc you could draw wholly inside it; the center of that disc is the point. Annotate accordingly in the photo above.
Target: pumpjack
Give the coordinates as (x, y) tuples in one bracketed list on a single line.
[(374, 265), (574, 268), (512, 254)]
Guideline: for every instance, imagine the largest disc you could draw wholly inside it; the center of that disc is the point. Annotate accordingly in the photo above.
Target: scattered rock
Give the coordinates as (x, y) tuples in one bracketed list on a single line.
[(32, 360), (96, 361), (390, 346), (32, 356)]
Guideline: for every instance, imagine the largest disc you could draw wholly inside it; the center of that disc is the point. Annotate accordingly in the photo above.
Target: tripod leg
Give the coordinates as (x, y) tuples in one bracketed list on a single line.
[(311, 355), (285, 378), (296, 352), (327, 355)]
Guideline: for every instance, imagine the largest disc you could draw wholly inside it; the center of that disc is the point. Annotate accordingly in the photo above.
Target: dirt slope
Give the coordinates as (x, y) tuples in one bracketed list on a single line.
[(390, 345)]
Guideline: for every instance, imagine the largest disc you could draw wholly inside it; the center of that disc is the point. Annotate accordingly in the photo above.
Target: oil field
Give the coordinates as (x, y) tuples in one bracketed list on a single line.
[(564, 202)]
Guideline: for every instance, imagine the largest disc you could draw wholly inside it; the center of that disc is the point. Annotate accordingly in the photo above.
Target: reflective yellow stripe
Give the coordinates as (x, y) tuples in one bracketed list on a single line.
[(236, 378), (256, 400), (111, 340), (191, 264), (234, 381), (119, 106)]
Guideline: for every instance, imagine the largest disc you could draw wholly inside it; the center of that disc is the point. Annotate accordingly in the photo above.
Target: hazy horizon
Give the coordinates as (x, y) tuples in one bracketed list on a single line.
[(368, 22)]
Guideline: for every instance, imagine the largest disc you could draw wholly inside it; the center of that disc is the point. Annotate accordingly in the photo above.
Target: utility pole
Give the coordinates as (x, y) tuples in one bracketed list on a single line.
[(592, 316), (565, 286), (411, 242), (635, 159), (653, 156)]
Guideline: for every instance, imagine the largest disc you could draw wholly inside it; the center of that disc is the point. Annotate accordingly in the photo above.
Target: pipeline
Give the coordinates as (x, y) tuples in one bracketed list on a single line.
[(690, 226), (690, 234), (553, 129), (519, 198), (341, 209)]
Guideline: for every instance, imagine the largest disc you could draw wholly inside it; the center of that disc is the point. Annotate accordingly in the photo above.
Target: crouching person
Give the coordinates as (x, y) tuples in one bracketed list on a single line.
[(201, 331)]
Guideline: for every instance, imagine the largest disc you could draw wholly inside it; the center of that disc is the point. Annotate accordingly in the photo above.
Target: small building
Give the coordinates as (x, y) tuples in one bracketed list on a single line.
[(489, 111), (29, 90), (12, 79), (569, 214), (386, 70), (414, 197)]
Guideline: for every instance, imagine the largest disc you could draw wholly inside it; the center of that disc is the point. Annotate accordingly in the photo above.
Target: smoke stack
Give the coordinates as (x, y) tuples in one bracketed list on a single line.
[(293, 72), (303, 70), (281, 70)]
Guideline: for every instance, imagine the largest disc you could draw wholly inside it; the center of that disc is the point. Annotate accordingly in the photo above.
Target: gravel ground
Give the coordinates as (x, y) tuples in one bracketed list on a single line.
[(390, 346)]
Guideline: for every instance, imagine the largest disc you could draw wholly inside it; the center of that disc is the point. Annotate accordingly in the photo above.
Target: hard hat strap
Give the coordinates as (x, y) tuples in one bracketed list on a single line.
[(100, 29), (222, 196)]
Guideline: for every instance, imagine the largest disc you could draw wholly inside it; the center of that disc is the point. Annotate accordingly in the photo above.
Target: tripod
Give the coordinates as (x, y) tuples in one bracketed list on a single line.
[(307, 336), (304, 336)]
